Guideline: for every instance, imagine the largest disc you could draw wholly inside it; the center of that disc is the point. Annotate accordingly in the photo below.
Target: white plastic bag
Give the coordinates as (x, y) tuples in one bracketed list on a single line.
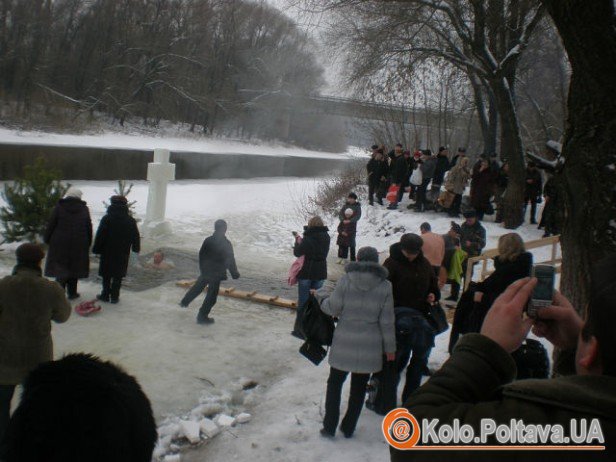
[(417, 177)]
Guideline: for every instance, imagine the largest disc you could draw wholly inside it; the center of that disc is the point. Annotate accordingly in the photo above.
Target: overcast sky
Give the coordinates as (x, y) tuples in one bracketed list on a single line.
[(315, 24)]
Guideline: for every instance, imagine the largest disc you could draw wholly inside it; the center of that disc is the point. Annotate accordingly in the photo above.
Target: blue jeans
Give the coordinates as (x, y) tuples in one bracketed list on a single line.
[(414, 342), (303, 292)]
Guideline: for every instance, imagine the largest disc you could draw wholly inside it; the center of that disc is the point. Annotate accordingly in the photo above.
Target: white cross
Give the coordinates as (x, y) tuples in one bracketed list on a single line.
[(160, 173)]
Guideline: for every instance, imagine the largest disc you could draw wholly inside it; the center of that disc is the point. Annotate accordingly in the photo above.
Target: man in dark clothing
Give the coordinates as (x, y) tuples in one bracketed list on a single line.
[(428, 168), (550, 216), (461, 153), (533, 190), (477, 381), (399, 175), (415, 287), (442, 166), (215, 259), (472, 241), (117, 234), (353, 204), (377, 176), (69, 236)]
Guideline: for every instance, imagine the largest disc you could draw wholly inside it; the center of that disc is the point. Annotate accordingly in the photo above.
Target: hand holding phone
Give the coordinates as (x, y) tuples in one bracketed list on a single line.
[(543, 293)]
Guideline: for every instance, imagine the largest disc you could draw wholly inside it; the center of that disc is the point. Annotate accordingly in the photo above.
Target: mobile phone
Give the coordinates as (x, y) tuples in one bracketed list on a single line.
[(543, 293)]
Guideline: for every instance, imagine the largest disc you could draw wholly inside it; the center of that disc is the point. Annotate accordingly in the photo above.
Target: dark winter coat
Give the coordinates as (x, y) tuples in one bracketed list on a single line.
[(314, 247), (505, 273), (476, 235), (356, 207), (362, 301), (351, 230), (442, 166), (377, 169), (399, 170), (477, 383), (533, 189), (451, 244), (482, 188), (28, 304), (216, 257), (117, 233), (428, 167), (69, 236), (411, 281)]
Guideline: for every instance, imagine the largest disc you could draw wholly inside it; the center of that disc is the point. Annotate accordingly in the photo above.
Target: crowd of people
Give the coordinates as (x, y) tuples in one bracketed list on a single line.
[(438, 182), (384, 313)]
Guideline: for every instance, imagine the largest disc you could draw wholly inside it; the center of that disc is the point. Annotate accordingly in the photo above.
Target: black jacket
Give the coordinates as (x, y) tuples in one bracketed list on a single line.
[(442, 166), (314, 247), (505, 274), (216, 257), (411, 281), (476, 235), (69, 236), (399, 170), (377, 169), (356, 207), (117, 233), (535, 188)]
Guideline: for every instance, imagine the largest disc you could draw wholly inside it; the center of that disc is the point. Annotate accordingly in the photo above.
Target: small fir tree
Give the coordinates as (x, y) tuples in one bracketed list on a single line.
[(124, 190), (30, 201)]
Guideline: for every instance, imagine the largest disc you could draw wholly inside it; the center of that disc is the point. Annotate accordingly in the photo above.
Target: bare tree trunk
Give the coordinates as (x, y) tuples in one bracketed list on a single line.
[(588, 178), (512, 151)]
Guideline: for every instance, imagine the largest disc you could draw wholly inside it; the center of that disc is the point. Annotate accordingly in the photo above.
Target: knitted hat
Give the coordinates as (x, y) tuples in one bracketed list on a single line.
[(29, 253), (118, 200), (73, 192), (368, 254), (411, 243), (470, 213)]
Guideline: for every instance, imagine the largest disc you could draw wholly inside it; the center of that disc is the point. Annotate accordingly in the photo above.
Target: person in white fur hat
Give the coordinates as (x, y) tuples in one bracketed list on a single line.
[(69, 236), (347, 230)]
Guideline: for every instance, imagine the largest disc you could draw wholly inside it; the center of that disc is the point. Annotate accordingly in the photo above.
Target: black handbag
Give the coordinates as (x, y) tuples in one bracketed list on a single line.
[(437, 318), (317, 326), (314, 353), (382, 389)]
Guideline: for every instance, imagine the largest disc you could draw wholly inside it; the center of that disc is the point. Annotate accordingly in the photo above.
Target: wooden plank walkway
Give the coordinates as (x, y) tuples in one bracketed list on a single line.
[(253, 296)]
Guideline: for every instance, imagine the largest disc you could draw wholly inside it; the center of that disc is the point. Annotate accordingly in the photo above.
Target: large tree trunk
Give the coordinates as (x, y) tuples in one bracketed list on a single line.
[(512, 151), (588, 179)]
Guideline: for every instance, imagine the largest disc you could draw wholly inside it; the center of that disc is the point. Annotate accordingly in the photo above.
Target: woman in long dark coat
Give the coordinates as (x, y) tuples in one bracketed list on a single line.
[(314, 247), (482, 188), (117, 234), (69, 236)]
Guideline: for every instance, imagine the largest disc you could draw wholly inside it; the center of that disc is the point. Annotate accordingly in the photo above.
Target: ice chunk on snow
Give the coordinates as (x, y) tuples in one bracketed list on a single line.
[(190, 430), (224, 420), (172, 458), (207, 410), (171, 430), (243, 418), (209, 428)]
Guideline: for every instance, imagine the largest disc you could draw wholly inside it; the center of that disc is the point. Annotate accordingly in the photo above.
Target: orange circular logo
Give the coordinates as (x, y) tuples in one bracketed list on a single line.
[(401, 429)]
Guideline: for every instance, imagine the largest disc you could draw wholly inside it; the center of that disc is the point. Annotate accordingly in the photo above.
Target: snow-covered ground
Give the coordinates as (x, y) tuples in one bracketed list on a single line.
[(176, 141), (181, 364)]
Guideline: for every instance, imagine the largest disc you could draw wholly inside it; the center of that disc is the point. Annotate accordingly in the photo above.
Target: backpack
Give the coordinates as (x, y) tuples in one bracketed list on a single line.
[(317, 326)]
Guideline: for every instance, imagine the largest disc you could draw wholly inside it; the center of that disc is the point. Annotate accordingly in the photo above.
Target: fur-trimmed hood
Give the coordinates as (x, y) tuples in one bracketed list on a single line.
[(366, 275)]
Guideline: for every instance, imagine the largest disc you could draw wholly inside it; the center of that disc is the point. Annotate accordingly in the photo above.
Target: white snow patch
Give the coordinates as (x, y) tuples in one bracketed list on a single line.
[(224, 421)]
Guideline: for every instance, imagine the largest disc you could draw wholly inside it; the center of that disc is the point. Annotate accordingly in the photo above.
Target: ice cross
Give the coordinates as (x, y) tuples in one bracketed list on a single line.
[(160, 172)]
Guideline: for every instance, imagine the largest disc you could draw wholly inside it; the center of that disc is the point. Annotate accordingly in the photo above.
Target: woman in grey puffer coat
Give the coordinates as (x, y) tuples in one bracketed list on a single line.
[(363, 303)]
